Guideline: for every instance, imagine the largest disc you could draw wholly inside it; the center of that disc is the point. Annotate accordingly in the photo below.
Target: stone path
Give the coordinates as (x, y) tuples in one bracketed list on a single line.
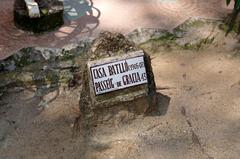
[(84, 19)]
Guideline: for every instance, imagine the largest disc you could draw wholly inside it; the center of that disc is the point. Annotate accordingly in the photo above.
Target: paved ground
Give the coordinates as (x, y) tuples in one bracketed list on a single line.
[(200, 122), (200, 111), (83, 19)]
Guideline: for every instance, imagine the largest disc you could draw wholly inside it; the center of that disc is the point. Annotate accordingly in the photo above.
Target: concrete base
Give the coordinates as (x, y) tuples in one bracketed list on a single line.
[(50, 18)]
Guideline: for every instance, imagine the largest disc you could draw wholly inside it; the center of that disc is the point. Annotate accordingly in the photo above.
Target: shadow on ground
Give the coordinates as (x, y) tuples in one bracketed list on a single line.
[(80, 17), (163, 103)]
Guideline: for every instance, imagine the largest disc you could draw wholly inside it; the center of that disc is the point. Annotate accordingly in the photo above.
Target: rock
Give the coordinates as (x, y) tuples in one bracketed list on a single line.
[(121, 95), (109, 44), (28, 56), (94, 108), (55, 57), (195, 33), (41, 67), (142, 35)]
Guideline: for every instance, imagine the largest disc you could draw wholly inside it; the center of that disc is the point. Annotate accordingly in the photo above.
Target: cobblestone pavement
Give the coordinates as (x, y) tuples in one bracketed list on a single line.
[(84, 19)]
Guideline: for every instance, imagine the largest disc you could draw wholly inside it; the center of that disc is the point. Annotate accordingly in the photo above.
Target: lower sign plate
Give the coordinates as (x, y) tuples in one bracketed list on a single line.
[(117, 75)]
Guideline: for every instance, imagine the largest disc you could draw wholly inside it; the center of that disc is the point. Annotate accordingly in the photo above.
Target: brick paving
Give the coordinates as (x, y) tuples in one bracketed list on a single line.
[(83, 19)]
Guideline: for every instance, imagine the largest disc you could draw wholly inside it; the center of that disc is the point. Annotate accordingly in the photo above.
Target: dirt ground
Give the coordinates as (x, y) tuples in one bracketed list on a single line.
[(200, 109), (84, 20), (201, 120)]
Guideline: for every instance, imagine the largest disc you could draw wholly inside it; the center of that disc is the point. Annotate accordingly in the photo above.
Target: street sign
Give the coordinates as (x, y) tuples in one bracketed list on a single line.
[(112, 76)]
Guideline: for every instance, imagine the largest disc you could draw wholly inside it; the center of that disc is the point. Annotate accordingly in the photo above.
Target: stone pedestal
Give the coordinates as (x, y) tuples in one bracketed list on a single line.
[(119, 102), (50, 18)]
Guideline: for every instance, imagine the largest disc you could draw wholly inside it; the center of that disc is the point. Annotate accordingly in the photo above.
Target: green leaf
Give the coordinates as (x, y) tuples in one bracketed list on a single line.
[(228, 2), (238, 4)]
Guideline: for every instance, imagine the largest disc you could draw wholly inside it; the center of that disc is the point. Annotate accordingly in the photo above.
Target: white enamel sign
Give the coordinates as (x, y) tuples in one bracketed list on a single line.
[(122, 74)]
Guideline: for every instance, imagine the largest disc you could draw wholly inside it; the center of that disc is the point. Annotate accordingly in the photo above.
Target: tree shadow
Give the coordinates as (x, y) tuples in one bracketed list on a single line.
[(47, 85), (80, 17), (74, 9), (40, 72)]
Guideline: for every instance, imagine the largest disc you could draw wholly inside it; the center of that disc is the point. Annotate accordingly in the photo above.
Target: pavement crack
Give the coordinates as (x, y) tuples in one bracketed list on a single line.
[(195, 138)]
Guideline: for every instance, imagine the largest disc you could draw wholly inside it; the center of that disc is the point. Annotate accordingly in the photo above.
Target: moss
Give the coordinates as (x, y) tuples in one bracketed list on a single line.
[(179, 30), (196, 23), (167, 38), (65, 76), (192, 23), (7, 78), (20, 60), (12, 79), (23, 61), (36, 78), (66, 55), (166, 42), (199, 45)]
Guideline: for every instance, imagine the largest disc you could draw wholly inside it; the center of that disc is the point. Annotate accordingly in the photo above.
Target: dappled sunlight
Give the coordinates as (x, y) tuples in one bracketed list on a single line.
[(182, 7), (207, 84), (197, 77), (81, 17), (151, 13), (65, 105), (187, 107), (92, 17), (64, 31), (208, 70)]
